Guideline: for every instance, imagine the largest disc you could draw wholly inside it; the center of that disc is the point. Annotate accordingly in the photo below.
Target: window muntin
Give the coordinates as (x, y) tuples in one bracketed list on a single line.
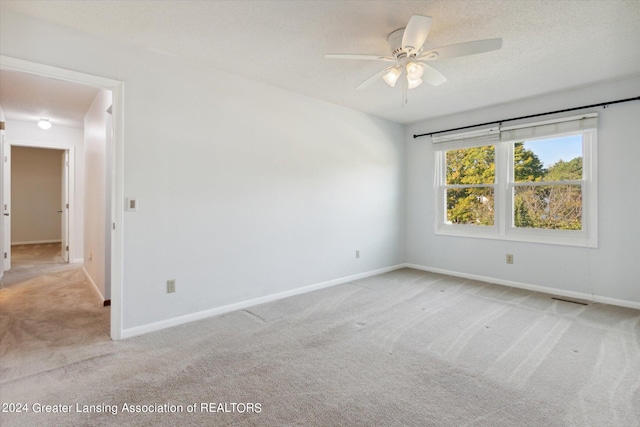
[(552, 201)]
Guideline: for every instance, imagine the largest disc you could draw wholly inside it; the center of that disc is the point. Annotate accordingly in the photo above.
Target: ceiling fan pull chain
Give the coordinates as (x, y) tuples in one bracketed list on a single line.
[(404, 92)]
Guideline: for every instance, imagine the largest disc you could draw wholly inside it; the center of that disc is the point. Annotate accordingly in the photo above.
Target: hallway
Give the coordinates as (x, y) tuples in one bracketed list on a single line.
[(45, 317), (29, 261), (47, 307)]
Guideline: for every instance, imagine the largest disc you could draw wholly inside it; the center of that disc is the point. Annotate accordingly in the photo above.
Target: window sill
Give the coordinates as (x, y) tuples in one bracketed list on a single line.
[(548, 237)]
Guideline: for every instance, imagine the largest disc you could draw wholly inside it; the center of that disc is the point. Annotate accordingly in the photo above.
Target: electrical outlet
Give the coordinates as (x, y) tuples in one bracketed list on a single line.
[(509, 258), (171, 286), (357, 254)]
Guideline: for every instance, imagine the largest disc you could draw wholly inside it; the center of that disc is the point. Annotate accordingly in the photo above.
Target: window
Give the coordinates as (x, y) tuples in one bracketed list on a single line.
[(547, 190), (531, 183), (470, 185)]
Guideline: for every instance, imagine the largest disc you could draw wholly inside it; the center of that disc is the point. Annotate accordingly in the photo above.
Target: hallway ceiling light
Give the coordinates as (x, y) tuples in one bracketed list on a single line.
[(44, 124)]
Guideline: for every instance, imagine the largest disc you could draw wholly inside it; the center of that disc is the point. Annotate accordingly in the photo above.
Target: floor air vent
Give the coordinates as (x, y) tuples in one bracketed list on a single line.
[(571, 301)]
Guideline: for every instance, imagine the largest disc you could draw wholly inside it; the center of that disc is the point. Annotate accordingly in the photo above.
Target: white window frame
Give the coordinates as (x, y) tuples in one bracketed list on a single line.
[(442, 226), (503, 140)]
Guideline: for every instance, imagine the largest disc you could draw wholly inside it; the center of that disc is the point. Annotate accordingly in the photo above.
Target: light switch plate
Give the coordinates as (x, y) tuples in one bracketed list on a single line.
[(132, 204)]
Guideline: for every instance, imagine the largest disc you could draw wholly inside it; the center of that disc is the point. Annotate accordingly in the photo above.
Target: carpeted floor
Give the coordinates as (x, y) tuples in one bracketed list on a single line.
[(33, 260), (400, 349), (36, 253)]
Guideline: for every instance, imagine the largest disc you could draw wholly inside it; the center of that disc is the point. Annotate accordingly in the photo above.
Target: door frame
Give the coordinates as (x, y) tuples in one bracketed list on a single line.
[(65, 206), (5, 191), (70, 183), (116, 163)]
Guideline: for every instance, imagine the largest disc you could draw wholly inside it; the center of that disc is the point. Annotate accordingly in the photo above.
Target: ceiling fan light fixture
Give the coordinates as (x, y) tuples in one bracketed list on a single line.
[(414, 71), (409, 57), (392, 77), (413, 83), (44, 124)]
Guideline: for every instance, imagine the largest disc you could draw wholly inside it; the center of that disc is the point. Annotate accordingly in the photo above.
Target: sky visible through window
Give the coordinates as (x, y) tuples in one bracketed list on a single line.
[(549, 151)]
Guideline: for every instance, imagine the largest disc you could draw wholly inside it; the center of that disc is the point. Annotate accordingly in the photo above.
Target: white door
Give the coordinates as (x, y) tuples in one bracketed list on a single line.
[(6, 203), (64, 209)]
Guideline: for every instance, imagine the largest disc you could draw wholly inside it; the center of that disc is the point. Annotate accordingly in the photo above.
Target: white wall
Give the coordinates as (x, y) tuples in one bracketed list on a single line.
[(609, 271), (96, 209), (36, 195), (19, 133), (244, 190)]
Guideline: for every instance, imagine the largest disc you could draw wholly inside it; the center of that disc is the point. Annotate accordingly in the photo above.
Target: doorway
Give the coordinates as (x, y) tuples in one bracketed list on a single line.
[(38, 202), (112, 219)]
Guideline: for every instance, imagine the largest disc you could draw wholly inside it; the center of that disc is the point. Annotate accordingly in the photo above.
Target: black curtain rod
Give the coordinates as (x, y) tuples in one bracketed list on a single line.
[(602, 104)]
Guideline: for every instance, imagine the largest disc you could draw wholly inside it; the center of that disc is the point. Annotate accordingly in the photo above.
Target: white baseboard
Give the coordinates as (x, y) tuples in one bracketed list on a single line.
[(36, 242), (187, 318), (94, 286), (530, 287), (163, 324)]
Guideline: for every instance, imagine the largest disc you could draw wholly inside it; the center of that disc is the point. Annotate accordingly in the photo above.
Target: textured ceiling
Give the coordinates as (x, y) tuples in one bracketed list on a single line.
[(548, 46)]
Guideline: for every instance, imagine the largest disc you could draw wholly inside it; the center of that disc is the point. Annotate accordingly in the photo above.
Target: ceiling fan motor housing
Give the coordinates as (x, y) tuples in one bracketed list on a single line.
[(395, 44)]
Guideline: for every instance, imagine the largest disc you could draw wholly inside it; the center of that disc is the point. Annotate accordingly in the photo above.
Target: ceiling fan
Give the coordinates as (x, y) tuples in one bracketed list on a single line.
[(409, 58)]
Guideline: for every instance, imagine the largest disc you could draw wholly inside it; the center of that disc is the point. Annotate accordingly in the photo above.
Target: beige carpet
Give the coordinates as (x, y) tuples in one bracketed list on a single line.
[(41, 253), (400, 349), (33, 260)]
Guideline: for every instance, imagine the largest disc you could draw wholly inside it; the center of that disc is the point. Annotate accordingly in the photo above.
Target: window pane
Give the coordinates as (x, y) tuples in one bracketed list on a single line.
[(470, 206), (553, 159), (474, 165), (557, 207)]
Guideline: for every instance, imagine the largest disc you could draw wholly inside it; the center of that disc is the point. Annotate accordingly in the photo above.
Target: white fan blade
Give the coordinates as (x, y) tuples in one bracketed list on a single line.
[(373, 78), (416, 32), (432, 76), (357, 56), (462, 49)]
